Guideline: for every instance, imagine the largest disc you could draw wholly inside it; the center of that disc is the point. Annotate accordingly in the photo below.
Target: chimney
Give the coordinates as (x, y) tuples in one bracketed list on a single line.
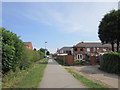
[(82, 42)]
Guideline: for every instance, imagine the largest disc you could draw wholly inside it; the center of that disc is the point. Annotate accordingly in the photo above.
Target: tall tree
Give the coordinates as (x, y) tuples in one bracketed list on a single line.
[(47, 53), (109, 28)]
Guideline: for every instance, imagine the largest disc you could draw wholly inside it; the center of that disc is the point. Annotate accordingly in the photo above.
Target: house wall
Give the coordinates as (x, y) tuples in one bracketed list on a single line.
[(100, 50), (70, 60), (29, 46)]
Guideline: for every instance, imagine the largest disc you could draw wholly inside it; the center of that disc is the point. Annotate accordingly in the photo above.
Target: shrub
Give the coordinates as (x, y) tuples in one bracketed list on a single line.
[(14, 53), (41, 53), (77, 61), (110, 62), (12, 50), (29, 57)]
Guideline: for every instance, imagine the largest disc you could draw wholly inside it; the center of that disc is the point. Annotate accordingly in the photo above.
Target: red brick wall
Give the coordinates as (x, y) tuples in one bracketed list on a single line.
[(100, 50), (29, 46), (69, 59)]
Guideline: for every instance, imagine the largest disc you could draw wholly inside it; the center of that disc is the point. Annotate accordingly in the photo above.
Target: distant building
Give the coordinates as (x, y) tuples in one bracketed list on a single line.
[(65, 51), (90, 52), (28, 45), (90, 48)]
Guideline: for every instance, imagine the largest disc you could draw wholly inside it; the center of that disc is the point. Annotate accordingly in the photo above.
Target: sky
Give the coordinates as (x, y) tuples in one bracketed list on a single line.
[(57, 23)]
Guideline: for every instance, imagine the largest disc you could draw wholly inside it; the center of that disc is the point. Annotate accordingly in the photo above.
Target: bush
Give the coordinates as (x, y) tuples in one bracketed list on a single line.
[(110, 62), (14, 53), (12, 50), (41, 53), (29, 57), (77, 61)]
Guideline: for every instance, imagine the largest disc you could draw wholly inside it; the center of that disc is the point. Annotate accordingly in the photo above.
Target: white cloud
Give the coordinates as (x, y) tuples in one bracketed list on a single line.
[(54, 18), (65, 23), (69, 20)]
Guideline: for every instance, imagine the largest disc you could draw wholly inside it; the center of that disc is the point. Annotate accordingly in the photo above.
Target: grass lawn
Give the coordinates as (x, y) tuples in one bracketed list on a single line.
[(30, 78), (88, 83)]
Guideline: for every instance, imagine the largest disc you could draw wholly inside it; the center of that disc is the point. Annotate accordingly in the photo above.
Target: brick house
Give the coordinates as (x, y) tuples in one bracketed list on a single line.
[(65, 51), (28, 45), (85, 51), (90, 48)]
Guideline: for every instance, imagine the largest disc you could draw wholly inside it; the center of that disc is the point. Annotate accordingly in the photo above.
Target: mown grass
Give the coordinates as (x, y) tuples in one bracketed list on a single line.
[(28, 78), (88, 83)]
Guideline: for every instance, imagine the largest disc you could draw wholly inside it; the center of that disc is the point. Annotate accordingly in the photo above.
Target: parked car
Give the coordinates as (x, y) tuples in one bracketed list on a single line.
[(49, 57)]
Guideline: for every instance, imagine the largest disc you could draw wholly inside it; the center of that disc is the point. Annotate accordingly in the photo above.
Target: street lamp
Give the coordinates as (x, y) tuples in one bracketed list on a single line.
[(45, 49)]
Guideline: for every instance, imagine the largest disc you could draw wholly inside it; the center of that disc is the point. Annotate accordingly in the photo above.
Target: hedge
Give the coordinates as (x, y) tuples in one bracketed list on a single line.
[(12, 50), (110, 62), (14, 53)]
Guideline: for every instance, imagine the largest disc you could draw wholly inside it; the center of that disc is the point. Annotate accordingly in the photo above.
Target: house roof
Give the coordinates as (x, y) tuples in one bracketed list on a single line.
[(27, 43), (66, 48), (93, 44)]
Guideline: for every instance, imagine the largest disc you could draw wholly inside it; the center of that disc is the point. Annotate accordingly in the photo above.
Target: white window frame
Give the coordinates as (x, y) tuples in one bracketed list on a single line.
[(104, 49), (79, 56), (95, 49), (88, 49)]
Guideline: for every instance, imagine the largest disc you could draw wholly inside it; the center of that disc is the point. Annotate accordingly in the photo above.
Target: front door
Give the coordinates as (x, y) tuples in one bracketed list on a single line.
[(79, 56)]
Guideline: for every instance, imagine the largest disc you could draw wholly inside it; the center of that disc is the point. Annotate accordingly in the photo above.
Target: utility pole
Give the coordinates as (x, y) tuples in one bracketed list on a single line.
[(45, 49)]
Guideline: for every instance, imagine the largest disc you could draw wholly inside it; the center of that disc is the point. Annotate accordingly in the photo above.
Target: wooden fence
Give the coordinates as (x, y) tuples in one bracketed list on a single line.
[(69, 59)]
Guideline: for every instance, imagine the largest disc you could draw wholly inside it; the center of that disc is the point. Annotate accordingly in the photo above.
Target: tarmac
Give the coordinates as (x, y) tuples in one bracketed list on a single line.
[(55, 76)]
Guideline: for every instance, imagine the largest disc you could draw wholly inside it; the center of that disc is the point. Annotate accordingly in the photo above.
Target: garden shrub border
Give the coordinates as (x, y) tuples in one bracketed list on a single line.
[(110, 62)]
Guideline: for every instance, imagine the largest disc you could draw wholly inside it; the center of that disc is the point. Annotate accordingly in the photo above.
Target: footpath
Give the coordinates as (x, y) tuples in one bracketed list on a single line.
[(55, 76)]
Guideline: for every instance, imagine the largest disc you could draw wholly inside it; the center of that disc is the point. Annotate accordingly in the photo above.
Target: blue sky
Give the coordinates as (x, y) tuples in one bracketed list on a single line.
[(58, 23)]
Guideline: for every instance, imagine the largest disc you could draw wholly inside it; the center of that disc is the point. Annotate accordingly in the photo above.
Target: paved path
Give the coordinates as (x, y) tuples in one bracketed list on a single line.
[(55, 76)]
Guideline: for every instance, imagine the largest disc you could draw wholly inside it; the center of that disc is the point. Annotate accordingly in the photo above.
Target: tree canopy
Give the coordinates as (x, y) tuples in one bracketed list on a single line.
[(109, 28), (47, 53)]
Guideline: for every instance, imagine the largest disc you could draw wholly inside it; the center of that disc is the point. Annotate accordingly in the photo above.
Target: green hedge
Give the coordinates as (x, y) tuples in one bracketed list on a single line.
[(14, 53), (12, 50), (29, 57), (110, 62)]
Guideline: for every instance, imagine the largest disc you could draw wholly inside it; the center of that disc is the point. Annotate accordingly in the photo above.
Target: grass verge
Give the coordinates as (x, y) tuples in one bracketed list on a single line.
[(88, 83), (28, 78)]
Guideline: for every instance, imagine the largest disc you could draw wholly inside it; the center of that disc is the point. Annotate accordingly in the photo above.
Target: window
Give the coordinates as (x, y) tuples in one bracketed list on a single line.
[(88, 49), (79, 56), (95, 49), (64, 51), (104, 49), (81, 49), (61, 51), (75, 49)]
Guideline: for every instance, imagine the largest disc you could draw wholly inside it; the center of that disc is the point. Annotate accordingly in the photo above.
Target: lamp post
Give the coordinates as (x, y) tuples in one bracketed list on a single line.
[(45, 49)]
